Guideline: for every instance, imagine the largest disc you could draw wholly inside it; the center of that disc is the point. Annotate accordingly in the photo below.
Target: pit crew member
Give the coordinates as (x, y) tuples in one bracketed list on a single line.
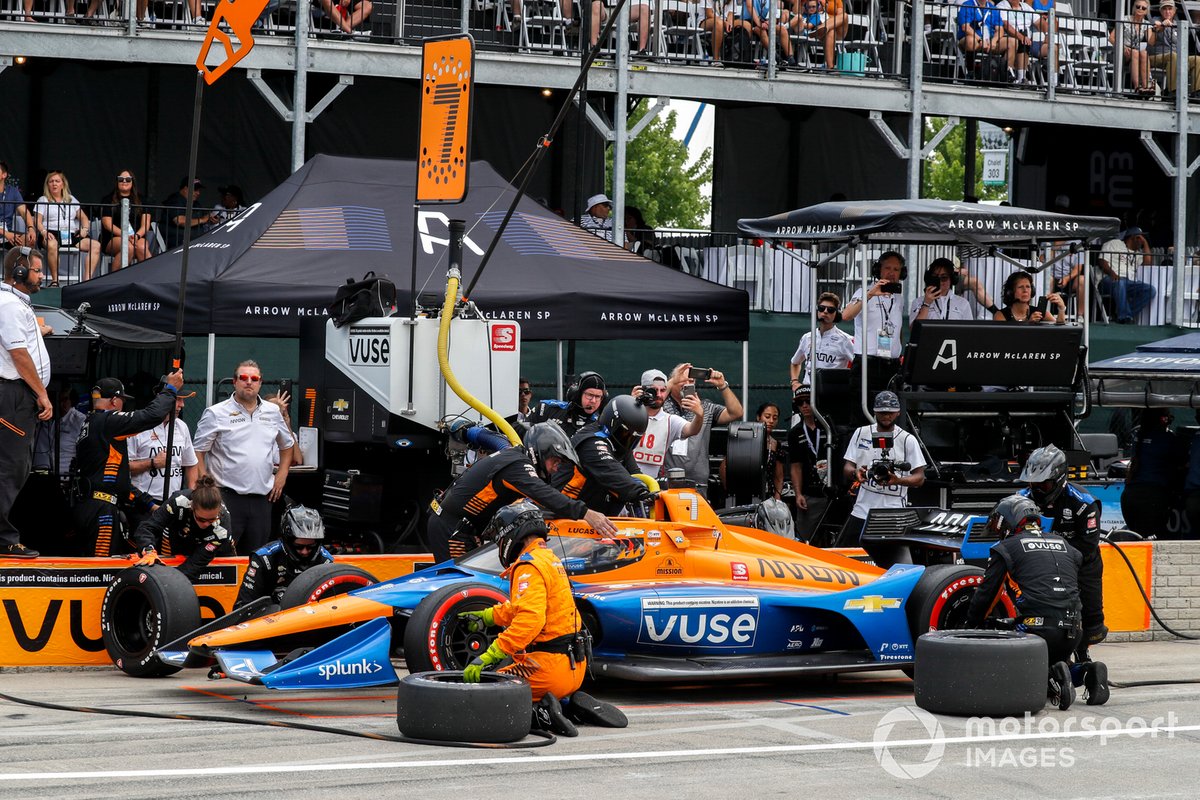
[(273, 567), (603, 477), (192, 523), (585, 397)]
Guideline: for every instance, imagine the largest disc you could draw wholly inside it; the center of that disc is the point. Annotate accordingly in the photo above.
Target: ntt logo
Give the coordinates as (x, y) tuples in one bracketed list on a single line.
[(337, 668), (895, 732)]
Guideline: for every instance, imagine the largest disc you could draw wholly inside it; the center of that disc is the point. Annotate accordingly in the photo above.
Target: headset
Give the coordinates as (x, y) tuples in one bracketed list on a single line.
[(1010, 286), (16, 263), (837, 315), (930, 275), (877, 268)]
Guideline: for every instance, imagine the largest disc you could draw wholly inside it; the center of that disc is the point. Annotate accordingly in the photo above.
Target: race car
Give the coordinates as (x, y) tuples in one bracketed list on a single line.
[(680, 597)]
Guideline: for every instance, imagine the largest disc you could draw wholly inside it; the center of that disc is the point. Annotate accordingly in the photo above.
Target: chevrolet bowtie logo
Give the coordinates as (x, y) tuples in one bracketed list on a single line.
[(341, 405), (871, 604)]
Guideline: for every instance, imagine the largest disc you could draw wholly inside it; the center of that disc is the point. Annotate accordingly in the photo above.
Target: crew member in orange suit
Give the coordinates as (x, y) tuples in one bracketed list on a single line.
[(541, 626)]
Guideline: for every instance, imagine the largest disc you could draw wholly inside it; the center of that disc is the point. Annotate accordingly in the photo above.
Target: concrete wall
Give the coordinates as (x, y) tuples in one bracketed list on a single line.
[(1175, 592)]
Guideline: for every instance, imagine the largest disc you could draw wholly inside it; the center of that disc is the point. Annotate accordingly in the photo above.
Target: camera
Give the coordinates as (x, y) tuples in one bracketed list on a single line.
[(699, 373), (892, 288), (884, 467), (646, 395), (931, 283)]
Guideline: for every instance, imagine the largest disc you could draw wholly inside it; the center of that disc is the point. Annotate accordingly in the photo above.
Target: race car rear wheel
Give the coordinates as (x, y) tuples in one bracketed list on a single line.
[(435, 638), (143, 609), (981, 673), (438, 706), (325, 580)]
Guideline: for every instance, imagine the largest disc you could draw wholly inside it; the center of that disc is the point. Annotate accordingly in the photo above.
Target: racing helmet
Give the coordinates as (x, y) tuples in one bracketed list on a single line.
[(626, 421), (886, 401), (511, 526), (1013, 514), (1046, 474), (547, 439), (301, 522)]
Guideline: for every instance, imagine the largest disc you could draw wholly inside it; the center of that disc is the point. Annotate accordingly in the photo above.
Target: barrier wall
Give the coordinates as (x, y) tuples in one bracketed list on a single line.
[(50, 607)]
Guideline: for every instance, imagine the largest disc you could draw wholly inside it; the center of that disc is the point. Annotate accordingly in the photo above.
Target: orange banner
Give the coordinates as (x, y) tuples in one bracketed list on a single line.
[(447, 92), (51, 607)]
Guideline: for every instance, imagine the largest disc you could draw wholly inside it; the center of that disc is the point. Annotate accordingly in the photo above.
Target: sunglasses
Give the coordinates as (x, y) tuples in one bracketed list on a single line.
[(304, 548), (826, 309), (804, 402), (249, 378), (123, 179), (525, 390)]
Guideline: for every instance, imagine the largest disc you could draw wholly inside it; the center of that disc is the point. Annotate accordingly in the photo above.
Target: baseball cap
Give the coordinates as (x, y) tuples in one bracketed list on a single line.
[(597, 199), (196, 184), (109, 388), (1165, 3), (180, 395), (886, 401), (1134, 231), (652, 375)]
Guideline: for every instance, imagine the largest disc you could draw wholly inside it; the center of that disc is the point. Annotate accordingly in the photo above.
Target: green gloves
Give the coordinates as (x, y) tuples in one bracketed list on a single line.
[(477, 621), (493, 655)]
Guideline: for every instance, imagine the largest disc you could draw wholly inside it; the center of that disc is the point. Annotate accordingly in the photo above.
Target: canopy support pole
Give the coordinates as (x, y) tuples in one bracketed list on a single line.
[(210, 386), (1179, 170), (559, 371), (916, 122), (621, 135), (300, 91), (745, 378)]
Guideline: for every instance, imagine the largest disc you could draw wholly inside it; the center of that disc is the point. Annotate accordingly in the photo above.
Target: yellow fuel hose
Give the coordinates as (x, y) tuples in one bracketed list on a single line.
[(651, 484), (443, 349)]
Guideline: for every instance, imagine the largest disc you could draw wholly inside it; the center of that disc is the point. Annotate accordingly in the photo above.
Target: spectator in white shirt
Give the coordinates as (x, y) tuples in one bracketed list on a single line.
[(663, 428)]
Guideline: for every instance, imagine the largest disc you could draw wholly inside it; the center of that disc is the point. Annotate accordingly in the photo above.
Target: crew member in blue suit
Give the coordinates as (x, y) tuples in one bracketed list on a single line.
[(274, 566), (585, 397)]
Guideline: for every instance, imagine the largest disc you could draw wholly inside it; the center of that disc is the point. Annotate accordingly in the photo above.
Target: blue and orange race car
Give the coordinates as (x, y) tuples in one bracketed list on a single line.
[(681, 597)]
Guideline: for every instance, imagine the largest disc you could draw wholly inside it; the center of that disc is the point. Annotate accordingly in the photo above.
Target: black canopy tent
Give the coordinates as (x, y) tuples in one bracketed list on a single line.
[(1163, 374), (336, 217)]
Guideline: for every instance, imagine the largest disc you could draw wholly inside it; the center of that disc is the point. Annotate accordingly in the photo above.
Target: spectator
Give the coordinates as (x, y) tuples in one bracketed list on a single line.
[(177, 220), (12, 207), (639, 17), (61, 222), (1153, 480), (102, 458), (939, 300), (1118, 260), (68, 426), (598, 218), (283, 401), (24, 372), (1018, 297), (524, 395), (232, 203), (234, 442), (1164, 52), (764, 13), (692, 454), (719, 23), (585, 397), (638, 236), (663, 429), (807, 466), (979, 30), (863, 453), (347, 15), (982, 271), (826, 22), (136, 233), (835, 348), (1137, 36), (1017, 27), (148, 453), (1067, 272)]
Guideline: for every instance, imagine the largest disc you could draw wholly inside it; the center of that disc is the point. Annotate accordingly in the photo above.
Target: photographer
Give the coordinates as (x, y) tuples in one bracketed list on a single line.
[(662, 428), (879, 337), (692, 454), (884, 474), (939, 300)]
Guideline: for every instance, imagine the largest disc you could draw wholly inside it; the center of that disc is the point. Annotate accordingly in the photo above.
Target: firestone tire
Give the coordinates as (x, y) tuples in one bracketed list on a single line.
[(981, 673), (325, 580), (941, 597), (438, 706), (145, 608), (435, 639)]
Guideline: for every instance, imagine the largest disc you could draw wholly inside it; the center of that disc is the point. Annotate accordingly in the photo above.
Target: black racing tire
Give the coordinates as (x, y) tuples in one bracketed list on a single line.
[(941, 597), (438, 706), (324, 580), (435, 639), (144, 608), (981, 673)]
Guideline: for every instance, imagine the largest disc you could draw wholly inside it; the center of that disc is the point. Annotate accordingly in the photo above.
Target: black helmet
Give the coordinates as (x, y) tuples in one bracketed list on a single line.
[(547, 439), (626, 421), (1012, 514), (585, 381), (301, 522), (1046, 474), (511, 526)]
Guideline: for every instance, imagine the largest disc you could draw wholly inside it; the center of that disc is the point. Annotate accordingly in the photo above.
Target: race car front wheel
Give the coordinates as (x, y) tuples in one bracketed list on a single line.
[(435, 638), (325, 580), (145, 608)]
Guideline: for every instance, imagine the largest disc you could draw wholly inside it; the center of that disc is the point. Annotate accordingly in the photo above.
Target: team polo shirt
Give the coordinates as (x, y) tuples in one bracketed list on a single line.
[(148, 444), (884, 314), (19, 329), (835, 348), (237, 444)]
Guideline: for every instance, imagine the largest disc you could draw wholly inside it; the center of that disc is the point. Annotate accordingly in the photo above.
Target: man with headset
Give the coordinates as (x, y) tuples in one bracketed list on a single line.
[(939, 300), (585, 397), (879, 338), (24, 372), (835, 348)]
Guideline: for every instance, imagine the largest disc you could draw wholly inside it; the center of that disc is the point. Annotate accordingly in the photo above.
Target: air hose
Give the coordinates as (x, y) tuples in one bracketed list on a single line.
[(544, 737)]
